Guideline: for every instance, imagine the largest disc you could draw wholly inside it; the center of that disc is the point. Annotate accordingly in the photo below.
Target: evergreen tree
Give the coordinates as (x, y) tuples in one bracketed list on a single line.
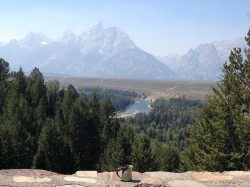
[(141, 155), (36, 87), (118, 150), (125, 137), (4, 71), (53, 91), (17, 116), (112, 144), (53, 150), (81, 138), (220, 138), (8, 155), (83, 132), (112, 156), (69, 98), (169, 158), (110, 125), (93, 129), (94, 110), (156, 150), (36, 96), (107, 111)]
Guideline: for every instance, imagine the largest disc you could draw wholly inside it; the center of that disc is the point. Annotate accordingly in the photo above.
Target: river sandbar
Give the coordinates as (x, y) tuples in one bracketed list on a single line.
[(127, 114)]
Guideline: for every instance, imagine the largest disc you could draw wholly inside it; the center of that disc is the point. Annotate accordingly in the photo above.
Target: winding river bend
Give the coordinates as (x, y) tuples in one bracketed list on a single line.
[(140, 106)]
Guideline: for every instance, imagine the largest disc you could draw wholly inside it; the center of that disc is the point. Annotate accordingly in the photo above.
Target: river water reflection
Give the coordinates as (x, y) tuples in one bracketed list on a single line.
[(140, 106)]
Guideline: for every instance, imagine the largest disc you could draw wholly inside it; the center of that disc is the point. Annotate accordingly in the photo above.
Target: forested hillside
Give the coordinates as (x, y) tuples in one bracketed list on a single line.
[(120, 99), (167, 126), (61, 129), (47, 127), (220, 137)]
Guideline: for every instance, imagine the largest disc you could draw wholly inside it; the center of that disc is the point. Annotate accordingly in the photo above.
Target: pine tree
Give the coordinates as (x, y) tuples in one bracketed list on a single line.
[(118, 150), (169, 159), (79, 135), (109, 124), (125, 137), (220, 138), (93, 128), (36, 96), (53, 91), (107, 111), (36, 87), (8, 155), (141, 155), (94, 110), (4, 71), (69, 98), (17, 116), (53, 150), (112, 156)]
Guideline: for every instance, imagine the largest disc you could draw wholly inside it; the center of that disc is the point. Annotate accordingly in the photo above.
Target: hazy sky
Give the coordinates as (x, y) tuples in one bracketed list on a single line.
[(157, 26)]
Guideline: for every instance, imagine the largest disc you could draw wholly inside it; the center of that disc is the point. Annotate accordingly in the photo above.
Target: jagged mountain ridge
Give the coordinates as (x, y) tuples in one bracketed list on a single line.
[(110, 53), (205, 61), (99, 52)]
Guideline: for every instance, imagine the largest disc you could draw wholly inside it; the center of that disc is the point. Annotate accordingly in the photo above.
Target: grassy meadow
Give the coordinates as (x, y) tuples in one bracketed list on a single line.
[(151, 88)]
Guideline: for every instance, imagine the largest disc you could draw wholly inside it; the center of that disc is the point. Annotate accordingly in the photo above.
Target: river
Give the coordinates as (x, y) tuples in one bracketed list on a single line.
[(140, 106)]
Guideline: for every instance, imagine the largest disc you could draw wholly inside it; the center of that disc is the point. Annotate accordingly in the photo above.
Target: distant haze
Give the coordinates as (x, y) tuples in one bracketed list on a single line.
[(111, 53), (159, 27)]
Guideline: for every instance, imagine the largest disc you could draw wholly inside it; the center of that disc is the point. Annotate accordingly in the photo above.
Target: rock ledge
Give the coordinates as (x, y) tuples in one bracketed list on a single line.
[(31, 177)]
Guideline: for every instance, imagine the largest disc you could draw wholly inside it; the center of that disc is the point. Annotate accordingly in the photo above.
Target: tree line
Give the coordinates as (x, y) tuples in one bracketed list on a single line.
[(217, 138), (167, 127), (45, 126), (119, 98), (60, 129)]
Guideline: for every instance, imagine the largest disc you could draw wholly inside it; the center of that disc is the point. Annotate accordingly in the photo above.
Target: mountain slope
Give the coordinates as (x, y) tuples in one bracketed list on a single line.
[(135, 63), (110, 53), (205, 61), (99, 52)]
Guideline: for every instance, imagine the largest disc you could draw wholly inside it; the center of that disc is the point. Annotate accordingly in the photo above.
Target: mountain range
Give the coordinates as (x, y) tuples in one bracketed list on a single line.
[(110, 53), (205, 61), (99, 52)]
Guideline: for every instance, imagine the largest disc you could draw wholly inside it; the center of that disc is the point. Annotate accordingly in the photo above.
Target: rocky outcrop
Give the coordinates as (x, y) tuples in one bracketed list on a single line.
[(30, 177)]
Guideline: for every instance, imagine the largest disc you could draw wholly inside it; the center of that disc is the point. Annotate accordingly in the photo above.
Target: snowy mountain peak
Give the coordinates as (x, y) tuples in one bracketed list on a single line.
[(105, 41), (68, 36), (97, 28), (117, 39), (99, 52), (34, 39)]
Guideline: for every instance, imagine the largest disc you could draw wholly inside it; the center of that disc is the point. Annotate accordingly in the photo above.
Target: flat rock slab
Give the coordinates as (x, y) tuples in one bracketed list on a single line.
[(80, 179), (92, 174), (211, 176), (27, 172), (153, 181), (31, 179), (166, 175), (42, 178), (186, 183), (70, 185), (238, 173)]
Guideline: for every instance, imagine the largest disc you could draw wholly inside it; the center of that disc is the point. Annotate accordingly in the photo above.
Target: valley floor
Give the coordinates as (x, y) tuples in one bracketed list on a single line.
[(152, 88)]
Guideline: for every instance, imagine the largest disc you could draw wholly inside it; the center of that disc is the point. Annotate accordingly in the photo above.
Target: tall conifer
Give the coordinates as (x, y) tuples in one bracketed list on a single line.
[(220, 138)]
